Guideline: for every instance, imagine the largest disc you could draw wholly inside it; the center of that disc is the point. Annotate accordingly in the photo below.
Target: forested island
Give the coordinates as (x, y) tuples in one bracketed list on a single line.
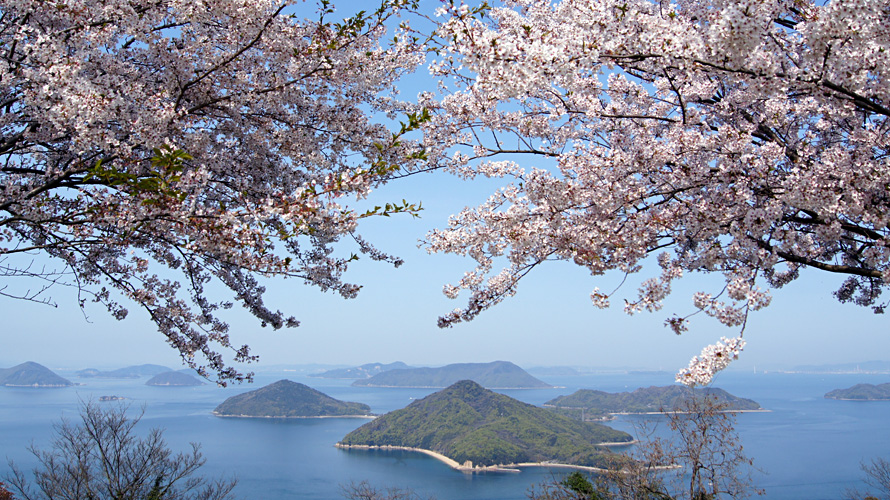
[(596, 404), (174, 379), (364, 371), (286, 398), (472, 427), (31, 374), (862, 392), (494, 375)]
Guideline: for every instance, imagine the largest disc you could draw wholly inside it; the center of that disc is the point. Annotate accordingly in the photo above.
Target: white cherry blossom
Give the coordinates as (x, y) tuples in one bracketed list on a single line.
[(746, 137), (220, 139)]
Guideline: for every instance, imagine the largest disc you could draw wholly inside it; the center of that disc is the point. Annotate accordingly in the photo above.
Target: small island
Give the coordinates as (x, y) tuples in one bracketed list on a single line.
[(288, 399), (111, 398), (494, 375), (367, 370), (474, 429), (590, 404), (862, 392), (174, 379), (31, 374)]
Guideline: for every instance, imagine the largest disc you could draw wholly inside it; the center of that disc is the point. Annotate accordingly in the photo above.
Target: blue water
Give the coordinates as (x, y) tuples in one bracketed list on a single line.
[(809, 447)]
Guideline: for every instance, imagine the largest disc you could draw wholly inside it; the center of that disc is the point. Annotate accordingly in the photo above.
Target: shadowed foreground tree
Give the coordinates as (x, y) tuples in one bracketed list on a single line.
[(701, 459), (877, 476), (103, 458), (364, 490)]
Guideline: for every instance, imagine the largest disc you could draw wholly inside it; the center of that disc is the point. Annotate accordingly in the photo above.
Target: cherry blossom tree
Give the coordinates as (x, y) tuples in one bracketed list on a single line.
[(742, 137), (157, 149)]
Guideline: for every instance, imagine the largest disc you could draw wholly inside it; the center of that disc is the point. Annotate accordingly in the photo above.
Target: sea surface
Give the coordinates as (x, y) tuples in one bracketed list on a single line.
[(808, 447)]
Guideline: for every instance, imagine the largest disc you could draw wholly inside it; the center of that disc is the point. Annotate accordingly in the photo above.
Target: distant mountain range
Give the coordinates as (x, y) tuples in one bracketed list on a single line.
[(31, 374), (494, 375), (365, 371), (136, 371), (863, 367), (644, 400), (862, 392), (286, 398), (468, 423), (171, 378)]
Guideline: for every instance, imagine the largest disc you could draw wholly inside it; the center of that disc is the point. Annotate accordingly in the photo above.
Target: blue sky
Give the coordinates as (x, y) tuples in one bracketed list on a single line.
[(550, 322)]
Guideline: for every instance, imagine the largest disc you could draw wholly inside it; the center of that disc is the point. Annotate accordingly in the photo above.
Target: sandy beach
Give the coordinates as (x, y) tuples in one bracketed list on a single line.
[(470, 468)]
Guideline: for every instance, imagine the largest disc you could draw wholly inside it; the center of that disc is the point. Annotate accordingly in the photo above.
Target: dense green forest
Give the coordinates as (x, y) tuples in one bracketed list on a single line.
[(286, 398), (468, 422), (643, 400), (864, 392)]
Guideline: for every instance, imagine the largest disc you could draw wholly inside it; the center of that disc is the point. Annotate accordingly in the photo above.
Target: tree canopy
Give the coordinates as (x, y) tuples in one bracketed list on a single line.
[(220, 139), (153, 148), (747, 138)]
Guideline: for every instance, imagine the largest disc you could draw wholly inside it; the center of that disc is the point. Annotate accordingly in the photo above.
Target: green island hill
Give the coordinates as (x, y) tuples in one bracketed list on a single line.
[(862, 392), (643, 400), (494, 375), (31, 374), (288, 399), (174, 379), (367, 370), (472, 428)]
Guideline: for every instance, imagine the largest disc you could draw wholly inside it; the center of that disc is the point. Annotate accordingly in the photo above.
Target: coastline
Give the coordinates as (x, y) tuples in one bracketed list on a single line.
[(858, 399), (467, 467), (295, 416)]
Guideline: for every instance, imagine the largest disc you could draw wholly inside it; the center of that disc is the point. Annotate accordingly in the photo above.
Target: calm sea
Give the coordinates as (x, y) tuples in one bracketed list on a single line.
[(809, 447)]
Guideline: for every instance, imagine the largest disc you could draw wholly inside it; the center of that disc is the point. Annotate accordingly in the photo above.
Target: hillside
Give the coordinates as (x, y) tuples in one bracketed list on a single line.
[(862, 392), (365, 371), (494, 375), (644, 400), (174, 379), (288, 399), (31, 374), (136, 371), (466, 422)]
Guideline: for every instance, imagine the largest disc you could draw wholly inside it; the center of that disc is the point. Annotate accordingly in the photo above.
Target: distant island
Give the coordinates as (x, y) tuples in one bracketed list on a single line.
[(111, 398), (862, 392), (31, 374), (136, 371), (286, 398), (171, 378), (472, 428), (644, 400), (365, 371), (494, 375)]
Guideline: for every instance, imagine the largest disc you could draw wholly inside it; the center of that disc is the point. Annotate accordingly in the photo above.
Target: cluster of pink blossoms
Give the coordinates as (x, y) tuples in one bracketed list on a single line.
[(211, 140), (712, 359), (749, 138)]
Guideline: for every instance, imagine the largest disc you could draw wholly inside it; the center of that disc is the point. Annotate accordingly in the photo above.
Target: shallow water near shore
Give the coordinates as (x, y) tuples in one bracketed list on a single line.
[(809, 447)]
